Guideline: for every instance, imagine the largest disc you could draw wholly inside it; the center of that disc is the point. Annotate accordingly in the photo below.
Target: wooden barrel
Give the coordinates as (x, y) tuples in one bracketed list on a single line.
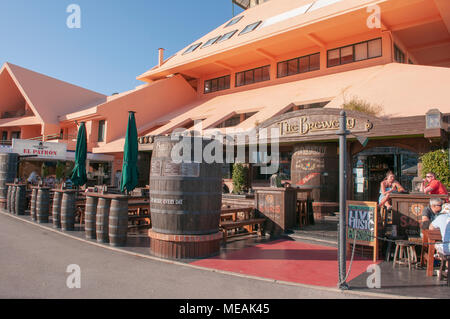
[(68, 209), (90, 216), (186, 197), (43, 205), (8, 198), (34, 192), (20, 199), (102, 219), (56, 209), (316, 166), (118, 221), (12, 208), (8, 172)]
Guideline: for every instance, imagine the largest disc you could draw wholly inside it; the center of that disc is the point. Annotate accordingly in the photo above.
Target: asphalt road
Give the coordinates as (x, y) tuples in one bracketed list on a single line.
[(33, 263)]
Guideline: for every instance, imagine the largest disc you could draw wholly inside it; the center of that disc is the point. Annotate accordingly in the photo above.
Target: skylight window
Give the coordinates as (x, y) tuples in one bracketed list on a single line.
[(192, 48), (322, 3), (226, 36), (234, 21), (210, 42), (250, 27)]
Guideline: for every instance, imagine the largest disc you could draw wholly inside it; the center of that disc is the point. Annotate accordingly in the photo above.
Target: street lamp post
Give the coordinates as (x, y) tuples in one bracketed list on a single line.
[(342, 199)]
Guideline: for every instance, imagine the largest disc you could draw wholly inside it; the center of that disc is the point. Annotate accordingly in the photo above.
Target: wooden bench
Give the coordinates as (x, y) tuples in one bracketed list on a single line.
[(229, 224)]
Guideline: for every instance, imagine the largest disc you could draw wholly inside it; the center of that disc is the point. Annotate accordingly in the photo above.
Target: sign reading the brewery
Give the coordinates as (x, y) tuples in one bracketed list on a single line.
[(362, 222), (39, 149), (319, 124)]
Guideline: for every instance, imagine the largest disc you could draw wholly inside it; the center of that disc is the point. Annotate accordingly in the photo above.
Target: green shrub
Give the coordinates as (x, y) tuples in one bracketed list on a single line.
[(60, 167), (239, 178), (360, 105), (438, 163)]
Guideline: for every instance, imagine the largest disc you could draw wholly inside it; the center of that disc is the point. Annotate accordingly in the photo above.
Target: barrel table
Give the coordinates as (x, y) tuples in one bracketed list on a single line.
[(34, 191), (68, 210), (12, 208), (90, 216), (43, 205), (185, 203), (56, 208), (118, 221), (102, 219), (8, 196), (20, 204), (8, 172)]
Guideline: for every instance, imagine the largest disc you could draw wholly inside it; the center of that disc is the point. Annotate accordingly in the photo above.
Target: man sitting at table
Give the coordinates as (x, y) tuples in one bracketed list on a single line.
[(431, 185), (442, 222), (430, 213)]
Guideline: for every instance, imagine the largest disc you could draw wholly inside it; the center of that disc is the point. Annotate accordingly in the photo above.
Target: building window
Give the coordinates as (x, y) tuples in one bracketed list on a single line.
[(299, 65), (399, 56), (236, 119), (15, 135), (4, 135), (192, 48), (234, 21), (210, 42), (226, 36), (250, 28), (217, 84), (101, 130), (253, 76), (355, 52)]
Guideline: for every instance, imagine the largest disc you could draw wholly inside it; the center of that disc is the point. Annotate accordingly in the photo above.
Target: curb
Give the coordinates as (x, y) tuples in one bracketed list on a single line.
[(328, 289)]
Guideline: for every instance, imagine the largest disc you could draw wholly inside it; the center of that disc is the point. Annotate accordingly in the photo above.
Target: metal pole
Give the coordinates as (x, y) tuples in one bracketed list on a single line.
[(342, 199)]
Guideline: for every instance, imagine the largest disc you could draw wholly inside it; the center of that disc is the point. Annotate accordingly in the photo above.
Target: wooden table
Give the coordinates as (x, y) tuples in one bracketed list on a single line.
[(407, 212), (431, 237)]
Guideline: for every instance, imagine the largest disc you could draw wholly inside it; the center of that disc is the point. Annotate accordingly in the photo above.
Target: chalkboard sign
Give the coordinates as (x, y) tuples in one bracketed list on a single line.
[(362, 222)]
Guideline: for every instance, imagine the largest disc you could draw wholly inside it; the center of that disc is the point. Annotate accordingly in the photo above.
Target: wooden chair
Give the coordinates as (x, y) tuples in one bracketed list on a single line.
[(444, 265), (430, 237)]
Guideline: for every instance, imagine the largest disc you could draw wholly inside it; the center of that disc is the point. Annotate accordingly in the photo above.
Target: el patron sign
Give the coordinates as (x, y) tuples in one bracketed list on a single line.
[(40, 149)]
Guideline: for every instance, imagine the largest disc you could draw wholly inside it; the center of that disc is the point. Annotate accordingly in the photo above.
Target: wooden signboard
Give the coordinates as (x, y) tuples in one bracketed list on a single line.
[(362, 222)]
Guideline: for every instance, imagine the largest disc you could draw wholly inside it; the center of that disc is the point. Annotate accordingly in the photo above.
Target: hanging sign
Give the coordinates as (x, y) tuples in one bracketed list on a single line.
[(40, 149)]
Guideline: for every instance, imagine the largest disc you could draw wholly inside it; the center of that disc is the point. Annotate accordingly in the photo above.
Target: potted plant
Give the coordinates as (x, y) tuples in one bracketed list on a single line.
[(239, 178)]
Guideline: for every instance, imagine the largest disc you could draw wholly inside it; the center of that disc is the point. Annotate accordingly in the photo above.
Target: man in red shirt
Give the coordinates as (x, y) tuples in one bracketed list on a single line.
[(432, 186)]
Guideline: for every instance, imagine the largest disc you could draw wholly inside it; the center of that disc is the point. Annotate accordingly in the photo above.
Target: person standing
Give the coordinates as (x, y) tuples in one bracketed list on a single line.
[(431, 185)]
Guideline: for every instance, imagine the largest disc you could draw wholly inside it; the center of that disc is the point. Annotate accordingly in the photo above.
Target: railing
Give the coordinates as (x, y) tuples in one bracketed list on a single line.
[(5, 142), (44, 138)]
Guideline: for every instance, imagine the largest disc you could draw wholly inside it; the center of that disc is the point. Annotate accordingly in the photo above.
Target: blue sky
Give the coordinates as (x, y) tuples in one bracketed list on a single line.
[(117, 41)]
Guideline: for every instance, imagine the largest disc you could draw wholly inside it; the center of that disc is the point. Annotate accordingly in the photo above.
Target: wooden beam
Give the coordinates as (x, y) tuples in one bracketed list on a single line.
[(315, 39), (415, 23), (430, 45), (265, 54), (224, 65)]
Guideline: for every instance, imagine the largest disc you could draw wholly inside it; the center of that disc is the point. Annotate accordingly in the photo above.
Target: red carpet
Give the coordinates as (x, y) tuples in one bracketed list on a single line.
[(287, 261)]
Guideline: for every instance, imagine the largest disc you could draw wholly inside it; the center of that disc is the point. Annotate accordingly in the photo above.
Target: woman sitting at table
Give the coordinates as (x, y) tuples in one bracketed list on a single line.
[(388, 186)]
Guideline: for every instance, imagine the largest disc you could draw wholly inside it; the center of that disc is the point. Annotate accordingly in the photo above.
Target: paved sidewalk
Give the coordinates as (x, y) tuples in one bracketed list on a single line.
[(285, 256)]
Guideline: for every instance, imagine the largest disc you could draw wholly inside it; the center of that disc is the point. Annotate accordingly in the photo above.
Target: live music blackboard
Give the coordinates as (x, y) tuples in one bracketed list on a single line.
[(362, 222)]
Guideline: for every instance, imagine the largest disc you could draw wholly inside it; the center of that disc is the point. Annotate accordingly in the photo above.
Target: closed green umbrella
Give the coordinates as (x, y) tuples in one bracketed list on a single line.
[(79, 177), (129, 179)]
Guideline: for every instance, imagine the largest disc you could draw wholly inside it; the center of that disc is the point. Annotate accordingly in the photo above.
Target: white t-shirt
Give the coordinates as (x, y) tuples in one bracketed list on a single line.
[(443, 223)]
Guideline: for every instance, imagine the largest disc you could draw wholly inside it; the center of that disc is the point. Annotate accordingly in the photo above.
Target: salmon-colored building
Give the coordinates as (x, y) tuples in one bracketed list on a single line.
[(292, 65)]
